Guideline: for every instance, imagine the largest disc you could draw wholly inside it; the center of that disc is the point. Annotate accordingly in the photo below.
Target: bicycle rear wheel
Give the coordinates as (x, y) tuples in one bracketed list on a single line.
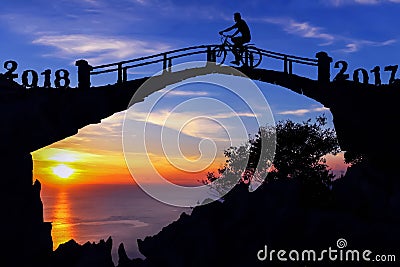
[(255, 57), (220, 54)]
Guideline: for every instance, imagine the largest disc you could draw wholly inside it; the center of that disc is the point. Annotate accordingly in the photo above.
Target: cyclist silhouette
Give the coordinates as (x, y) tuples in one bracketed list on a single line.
[(238, 41)]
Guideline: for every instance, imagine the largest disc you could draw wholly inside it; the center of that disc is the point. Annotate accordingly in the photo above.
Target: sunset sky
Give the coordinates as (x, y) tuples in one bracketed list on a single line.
[(41, 35)]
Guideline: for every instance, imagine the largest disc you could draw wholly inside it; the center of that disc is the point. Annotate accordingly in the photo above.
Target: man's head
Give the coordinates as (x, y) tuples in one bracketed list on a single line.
[(237, 16)]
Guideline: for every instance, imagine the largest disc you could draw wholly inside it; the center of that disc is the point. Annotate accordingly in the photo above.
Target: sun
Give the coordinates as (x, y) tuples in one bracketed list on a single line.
[(63, 171)]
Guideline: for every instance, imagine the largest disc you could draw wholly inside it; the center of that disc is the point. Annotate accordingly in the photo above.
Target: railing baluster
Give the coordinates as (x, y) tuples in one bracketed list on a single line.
[(211, 56), (164, 61), (285, 67), (120, 78), (125, 74), (169, 64)]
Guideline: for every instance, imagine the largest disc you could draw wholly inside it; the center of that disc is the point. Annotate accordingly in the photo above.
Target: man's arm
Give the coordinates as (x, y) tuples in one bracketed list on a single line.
[(235, 33), (230, 28)]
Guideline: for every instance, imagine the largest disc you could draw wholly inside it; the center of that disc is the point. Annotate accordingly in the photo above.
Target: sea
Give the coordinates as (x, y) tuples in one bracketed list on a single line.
[(90, 213)]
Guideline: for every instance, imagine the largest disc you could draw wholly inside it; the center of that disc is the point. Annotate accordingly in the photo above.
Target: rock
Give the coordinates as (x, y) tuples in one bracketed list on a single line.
[(124, 261), (231, 233), (72, 254)]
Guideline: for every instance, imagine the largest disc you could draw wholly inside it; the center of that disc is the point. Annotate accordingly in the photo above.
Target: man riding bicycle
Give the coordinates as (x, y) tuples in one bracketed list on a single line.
[(245, 37)]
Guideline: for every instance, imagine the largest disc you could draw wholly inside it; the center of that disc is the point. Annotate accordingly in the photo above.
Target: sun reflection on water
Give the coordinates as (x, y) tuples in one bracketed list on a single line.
[(62, 220)]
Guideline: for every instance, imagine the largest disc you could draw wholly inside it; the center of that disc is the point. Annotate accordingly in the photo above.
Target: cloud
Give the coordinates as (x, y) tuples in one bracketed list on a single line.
[(214, 125), (92, 2), (301, 112), (62, 155), (355, 45), (338, 3), (184, 93), (234, 114), (350, 48), (307, 30), (98, 49), (197, 128), (303, 29), (141, 2), (367, 2)]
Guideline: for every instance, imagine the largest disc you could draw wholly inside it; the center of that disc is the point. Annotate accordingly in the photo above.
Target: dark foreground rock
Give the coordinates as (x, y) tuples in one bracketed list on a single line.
[(86, 255), (362, 211)]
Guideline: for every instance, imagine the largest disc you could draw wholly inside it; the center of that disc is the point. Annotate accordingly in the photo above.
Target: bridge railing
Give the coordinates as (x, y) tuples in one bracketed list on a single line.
[(85, 71), (288, 60), (165, 58)]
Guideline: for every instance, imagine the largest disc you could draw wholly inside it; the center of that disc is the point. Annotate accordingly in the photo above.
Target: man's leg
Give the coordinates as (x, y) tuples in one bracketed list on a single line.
[(237, 49)]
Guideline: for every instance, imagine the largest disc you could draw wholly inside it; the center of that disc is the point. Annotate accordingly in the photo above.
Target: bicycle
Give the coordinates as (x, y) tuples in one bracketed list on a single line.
[(250, 56)]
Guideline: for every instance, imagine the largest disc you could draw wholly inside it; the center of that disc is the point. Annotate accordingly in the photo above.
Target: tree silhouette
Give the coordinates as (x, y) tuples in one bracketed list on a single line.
[(300, 154)]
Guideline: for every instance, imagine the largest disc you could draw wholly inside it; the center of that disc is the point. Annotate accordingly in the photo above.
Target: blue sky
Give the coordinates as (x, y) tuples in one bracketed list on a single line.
[(41, 35), (53, 34)]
